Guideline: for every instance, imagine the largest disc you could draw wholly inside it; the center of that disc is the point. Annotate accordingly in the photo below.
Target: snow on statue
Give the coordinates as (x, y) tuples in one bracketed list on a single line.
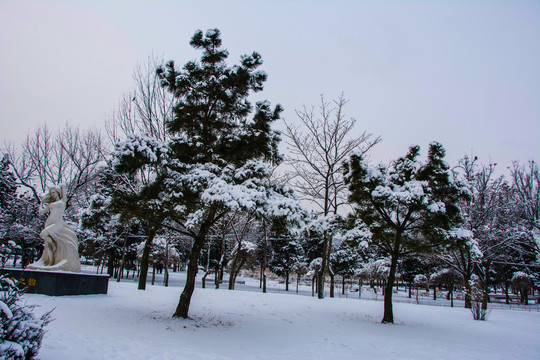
[(61, 248)]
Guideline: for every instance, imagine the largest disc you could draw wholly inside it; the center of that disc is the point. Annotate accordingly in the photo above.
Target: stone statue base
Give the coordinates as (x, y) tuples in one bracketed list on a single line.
[(63, 265), (58, 283)]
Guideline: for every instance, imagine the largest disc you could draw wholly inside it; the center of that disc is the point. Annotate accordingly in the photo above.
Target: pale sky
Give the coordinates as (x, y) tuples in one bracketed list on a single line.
[(464, 73)]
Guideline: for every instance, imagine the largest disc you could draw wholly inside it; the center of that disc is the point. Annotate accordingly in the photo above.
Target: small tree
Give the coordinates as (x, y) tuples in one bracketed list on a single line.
[(286, 255), (242, 252), (161, 253), (409, 268), (420, 280), (447, 278), (344, 261), (477, 294), (21, 332), (523, 283)]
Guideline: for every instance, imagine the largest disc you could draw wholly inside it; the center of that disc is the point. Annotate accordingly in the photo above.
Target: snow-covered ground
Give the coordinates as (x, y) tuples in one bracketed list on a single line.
[(131, 324)]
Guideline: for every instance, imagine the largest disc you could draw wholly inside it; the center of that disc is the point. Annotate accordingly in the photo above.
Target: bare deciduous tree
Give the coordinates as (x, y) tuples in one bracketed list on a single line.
[(317, 148), (70, 156), (145, 109), (526, 186)]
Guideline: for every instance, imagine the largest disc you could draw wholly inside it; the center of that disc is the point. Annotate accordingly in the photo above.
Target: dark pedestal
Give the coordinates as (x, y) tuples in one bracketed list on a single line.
[(59, 283)]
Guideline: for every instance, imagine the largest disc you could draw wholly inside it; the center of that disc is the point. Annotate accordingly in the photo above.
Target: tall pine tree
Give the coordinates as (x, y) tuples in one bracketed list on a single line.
[(216, 159)]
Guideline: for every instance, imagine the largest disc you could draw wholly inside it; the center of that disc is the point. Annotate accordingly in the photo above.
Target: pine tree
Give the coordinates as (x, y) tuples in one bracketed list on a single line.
[(344, 262), (406, 207), (214, 162), (8, 190), (21, 332), (286, 255)]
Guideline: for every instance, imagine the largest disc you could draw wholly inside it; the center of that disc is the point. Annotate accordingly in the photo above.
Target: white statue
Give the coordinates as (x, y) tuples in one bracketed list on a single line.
[(61, 250)]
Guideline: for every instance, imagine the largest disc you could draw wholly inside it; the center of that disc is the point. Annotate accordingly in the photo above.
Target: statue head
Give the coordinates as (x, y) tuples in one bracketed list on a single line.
[(55, 193)]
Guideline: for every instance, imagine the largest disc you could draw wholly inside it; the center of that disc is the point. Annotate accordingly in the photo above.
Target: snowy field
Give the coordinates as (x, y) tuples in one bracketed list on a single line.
[(132, 324)]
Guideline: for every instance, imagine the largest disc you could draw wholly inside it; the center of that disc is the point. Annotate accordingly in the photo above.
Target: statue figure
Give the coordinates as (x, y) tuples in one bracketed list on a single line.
[(61, 250)]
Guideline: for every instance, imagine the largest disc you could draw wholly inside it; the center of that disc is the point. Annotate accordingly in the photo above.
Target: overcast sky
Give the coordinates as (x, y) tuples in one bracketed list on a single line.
[(464, 73)]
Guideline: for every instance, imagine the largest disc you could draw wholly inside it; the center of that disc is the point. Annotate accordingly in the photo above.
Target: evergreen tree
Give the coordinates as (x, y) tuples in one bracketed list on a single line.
[(19, 219), (8, 190), (344, 262), (106, 229), (409, 267), (406, 207), (286, 255), (21, 332), (214, 160)]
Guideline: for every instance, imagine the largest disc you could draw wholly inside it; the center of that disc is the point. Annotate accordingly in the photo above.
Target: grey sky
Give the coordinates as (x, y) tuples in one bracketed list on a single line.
[(465, 73)]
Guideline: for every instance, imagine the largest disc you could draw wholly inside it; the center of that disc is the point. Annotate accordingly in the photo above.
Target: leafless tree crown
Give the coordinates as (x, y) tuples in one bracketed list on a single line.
[(317, 148)]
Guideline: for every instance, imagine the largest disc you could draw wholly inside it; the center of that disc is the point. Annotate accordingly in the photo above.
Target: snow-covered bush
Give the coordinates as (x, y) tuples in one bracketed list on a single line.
[(20, 331)]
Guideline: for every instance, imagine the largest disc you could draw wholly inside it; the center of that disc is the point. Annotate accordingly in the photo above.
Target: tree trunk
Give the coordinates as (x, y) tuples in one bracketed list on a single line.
[(486, 278), (410, 290), (360, 283), (467, 285), (332, 281), (324, 264), (286, 281), (123, 260), (264, 258), (183, 304), (297, 282), (313, 286), (320, 286), (217, 280), (145, 258), (166, 275), (388, 316), (110, 264), (232, 280), (434, 292), (153, 273), (343, 285), (204, 280), (507, 297)]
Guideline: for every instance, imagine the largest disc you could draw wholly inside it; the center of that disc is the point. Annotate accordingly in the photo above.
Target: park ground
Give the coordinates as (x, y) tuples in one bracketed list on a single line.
[(246, 324)]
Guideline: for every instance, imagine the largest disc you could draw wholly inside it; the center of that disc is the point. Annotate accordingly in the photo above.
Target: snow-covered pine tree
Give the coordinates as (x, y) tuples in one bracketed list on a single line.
[(216, 159), (286, 254), (344, 262), (19, 220), (8, 190), (407, 207), (409, 267), (20, 331)]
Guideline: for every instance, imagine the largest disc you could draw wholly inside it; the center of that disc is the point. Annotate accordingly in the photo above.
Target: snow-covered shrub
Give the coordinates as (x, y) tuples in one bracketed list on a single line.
[(20, 331), (477, 294)]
